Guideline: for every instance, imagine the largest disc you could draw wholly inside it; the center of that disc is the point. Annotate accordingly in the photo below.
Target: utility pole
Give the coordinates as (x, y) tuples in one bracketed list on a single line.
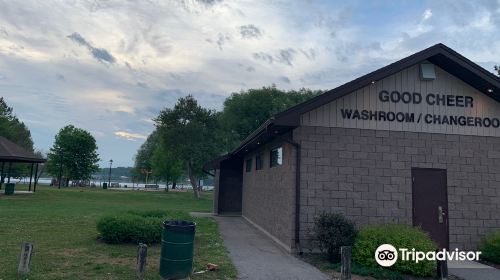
[(109, 178)]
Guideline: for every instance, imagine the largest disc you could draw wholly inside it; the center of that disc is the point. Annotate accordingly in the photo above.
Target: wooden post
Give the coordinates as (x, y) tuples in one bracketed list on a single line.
[(9, 169), (1, 175), (345, 268), (31, 175), (442, 270), (142, 255), (24, 262), (36, 177)]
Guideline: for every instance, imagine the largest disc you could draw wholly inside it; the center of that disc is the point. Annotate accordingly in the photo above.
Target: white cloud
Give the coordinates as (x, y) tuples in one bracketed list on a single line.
[(427, 14), (130, 136)]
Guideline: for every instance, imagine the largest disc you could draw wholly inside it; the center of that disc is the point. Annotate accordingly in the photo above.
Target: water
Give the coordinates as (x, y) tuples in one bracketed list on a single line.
[(47, 181)]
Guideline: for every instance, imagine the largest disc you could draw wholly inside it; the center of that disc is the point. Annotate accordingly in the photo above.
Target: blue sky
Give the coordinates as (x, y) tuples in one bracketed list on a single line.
[(110, 66)]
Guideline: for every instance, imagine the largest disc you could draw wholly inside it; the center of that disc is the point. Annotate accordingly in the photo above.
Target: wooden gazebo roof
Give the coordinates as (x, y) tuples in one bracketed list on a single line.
[(11, 152)]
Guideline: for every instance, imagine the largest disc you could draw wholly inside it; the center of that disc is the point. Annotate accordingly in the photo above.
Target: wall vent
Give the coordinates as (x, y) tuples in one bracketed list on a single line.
[(427, 72)]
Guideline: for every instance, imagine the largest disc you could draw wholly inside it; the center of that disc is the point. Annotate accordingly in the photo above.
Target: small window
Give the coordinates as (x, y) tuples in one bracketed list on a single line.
[(248, 165), (259, 161), (276, 157)]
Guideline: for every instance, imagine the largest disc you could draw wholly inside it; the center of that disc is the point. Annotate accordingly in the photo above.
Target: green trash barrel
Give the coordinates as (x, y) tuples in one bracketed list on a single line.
[(104, 185), (177, 244), (9, 188)]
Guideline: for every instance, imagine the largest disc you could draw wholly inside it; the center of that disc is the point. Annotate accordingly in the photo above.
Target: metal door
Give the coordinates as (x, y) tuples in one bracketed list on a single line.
[(430, 203)]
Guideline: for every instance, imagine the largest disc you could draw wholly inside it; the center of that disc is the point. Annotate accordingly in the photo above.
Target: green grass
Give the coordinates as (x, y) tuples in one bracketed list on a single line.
[(62, 226)]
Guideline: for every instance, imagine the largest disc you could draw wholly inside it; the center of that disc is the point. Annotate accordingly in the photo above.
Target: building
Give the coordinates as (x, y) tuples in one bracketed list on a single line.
[(415, 142)]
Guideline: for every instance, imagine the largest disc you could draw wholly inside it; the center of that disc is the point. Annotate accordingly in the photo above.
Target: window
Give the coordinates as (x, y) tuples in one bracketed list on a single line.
[(248, 165), (259, 161), (276, 157)]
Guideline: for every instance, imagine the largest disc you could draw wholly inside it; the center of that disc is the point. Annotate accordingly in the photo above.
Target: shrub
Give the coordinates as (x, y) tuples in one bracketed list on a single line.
[(490, 247), (332, 231), (135, 226), (400, 236)]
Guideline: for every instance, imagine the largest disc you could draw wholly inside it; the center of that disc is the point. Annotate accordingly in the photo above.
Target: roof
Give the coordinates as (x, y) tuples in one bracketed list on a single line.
[(11, 152), (439, 54)]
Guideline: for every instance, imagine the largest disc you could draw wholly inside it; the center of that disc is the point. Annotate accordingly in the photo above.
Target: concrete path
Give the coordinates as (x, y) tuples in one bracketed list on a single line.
[(257, 257), (470, 270)]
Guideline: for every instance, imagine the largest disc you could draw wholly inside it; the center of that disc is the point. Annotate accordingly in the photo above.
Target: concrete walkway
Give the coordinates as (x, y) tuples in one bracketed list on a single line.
[(470, 270), (257, 257)]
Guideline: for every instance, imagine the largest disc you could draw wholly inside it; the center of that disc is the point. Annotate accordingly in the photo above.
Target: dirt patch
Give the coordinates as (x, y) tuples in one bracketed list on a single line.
[(70, 252)]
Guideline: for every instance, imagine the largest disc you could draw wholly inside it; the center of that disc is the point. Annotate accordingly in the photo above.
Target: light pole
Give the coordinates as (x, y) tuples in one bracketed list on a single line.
[(109, 178)]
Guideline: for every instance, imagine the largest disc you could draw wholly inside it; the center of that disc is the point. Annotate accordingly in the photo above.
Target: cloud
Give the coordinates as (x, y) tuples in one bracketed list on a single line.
[(263, 57), (100, 54), (129, 136), (284, 56), (427, 14), (249, 31), (221, 40), (285, 80), (163, 50)]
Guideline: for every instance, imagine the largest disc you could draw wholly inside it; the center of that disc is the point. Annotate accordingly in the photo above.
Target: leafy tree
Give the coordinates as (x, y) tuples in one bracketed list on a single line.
[(73, 155), (190, 133), (245, 111), (12, 128), (145, 153), (165, 166), (16, 131)]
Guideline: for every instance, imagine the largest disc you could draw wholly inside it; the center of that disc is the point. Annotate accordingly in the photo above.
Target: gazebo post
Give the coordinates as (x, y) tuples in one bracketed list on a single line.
[(36, 177), (8, 172), (31, 175), (1, 175)]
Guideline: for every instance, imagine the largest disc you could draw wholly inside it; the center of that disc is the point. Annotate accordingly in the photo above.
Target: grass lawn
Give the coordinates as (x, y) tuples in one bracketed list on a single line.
[(62, 226)]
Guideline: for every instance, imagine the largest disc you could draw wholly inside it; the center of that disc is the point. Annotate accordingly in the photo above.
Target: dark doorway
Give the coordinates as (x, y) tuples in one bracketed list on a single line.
[(430, 203), (230, 187)]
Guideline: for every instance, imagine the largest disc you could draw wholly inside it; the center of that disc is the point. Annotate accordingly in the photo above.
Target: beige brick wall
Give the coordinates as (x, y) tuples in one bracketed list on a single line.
[(366, 175), (269, 194)]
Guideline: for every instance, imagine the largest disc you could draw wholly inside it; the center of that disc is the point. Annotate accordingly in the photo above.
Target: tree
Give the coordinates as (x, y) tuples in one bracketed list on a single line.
[(244, 112), (497, 68), (165, 166), (145, 153), (12, 128), (191, 134), (73, 155), (16, 131)]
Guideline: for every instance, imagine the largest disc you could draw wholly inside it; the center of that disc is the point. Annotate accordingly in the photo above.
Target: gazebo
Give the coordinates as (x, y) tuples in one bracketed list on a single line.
[(10, 153)]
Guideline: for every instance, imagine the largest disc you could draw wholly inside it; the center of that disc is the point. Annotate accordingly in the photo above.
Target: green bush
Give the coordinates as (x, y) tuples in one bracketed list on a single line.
[(136, 226), (490, 247), (399, 236), (331, 231)]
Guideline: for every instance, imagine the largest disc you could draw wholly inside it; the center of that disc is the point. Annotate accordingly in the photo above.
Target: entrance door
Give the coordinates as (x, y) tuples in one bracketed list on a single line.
[(230, 187), (430, 203)]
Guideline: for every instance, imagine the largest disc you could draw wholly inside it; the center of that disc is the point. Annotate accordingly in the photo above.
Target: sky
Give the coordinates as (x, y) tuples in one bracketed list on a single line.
[(111, 66)]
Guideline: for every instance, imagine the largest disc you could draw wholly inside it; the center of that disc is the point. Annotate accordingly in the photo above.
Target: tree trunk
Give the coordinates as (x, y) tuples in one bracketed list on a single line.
[(194, 183), (200, 189)]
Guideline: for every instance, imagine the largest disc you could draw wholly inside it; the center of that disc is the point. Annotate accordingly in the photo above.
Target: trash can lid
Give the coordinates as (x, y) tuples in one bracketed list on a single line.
[(180, 226)]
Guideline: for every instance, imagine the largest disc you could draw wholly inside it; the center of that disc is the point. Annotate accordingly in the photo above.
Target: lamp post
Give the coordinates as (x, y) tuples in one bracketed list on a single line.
[(109, 178)]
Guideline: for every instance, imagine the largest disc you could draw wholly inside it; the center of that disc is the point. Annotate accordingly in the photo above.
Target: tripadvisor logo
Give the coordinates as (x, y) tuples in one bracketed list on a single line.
[(386, 255)]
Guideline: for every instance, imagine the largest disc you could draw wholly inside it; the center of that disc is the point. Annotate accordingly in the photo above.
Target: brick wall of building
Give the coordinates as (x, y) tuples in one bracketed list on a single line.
[(269, 194), (366, 175)]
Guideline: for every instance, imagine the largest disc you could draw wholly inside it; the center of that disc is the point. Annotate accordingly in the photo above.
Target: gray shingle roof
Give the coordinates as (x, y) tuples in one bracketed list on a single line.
[(10, 151)]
